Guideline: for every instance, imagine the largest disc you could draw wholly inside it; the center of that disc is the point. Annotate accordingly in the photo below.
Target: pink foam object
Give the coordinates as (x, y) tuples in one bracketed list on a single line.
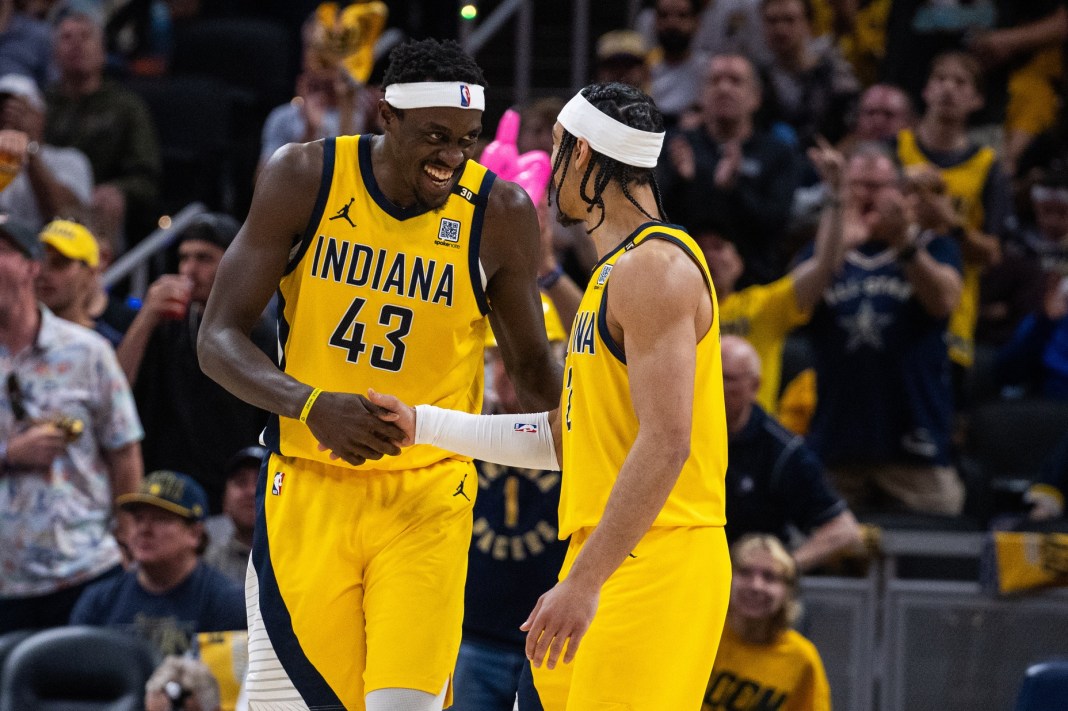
[(531, 171)]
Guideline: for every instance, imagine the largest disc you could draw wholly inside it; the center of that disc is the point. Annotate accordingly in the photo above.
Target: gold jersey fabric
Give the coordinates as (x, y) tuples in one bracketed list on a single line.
[(598, 420), (964, 183), (786, 675), (384, 297)]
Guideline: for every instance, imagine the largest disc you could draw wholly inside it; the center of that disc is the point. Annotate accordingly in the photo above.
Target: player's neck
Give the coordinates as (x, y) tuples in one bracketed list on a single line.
[(621, 216)]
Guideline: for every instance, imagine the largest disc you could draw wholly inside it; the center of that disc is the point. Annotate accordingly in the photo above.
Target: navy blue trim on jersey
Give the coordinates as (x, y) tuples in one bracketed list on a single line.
[(363, 152), (602, 328), (625, 242), (325, 182), (685, 248), (474, 248), (622, 245), (272, 436), (313, 688), (945, 159), (602, 313)]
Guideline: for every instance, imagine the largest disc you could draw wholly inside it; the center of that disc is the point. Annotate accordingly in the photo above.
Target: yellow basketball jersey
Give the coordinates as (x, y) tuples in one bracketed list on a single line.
[(964, 183), (599, 424), (384, 297)]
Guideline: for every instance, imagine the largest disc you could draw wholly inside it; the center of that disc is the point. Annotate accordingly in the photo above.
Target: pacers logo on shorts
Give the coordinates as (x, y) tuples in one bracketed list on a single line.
[(465, 96), (276, 487)]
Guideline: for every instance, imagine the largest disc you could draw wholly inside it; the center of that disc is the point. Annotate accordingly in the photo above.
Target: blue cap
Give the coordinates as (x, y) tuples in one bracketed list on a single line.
[(171, 491)]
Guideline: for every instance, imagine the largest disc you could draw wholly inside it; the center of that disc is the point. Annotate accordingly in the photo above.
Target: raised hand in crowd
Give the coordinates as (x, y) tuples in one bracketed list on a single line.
[(727, 169), (680, 152)]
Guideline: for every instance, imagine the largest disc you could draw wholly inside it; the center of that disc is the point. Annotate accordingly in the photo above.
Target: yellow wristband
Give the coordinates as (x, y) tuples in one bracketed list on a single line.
[(308, 404)]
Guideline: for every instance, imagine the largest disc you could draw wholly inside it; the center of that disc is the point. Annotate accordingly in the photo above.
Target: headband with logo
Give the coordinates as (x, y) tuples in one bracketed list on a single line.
[(608, 136), (427, 94)]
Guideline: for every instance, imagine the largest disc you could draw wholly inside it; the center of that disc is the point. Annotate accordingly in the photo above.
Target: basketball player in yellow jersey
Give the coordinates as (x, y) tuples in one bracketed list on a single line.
[(387, 254), (635, 619)]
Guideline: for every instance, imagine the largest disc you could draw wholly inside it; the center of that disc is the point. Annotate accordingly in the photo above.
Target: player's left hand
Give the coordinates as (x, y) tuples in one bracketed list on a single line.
[(397, 412), (561, 616)]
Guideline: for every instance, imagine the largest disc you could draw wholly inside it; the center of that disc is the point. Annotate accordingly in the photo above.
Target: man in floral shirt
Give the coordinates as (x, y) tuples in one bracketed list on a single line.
[(69, 444)]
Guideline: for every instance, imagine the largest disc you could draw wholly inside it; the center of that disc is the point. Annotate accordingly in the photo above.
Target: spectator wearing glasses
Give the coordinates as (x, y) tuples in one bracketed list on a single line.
[(883, 112)]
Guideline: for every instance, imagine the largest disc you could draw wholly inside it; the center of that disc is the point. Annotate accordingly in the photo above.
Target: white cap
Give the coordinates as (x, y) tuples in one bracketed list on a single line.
[(19, 85)]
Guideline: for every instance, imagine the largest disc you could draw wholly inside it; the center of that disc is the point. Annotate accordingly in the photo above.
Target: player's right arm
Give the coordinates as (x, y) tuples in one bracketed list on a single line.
[(530, 440), (248, 275)]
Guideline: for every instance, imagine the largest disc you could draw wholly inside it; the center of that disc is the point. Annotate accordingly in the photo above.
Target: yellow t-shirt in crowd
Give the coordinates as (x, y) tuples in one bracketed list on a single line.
[(786, 675), (764, 314)]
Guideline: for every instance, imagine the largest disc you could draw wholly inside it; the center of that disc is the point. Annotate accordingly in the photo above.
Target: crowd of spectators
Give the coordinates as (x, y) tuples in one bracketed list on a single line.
[(882, 183)]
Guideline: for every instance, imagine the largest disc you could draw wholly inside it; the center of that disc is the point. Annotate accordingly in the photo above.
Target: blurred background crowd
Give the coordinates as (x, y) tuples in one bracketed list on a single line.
[(880, 188)]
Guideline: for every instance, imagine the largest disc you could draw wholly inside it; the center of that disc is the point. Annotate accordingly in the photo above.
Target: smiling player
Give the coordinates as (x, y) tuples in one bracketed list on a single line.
[(387, 253)]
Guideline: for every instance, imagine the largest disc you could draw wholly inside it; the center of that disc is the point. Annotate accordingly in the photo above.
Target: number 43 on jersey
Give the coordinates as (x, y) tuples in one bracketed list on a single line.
[(385, 356)]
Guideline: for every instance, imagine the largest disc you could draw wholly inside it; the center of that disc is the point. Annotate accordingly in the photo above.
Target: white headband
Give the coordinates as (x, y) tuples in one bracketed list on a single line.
[(1042, 193), (427, 94), (608, 136)]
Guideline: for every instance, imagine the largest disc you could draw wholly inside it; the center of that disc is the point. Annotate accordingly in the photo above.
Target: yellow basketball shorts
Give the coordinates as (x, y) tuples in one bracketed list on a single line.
[(356, 582), (654, 638)]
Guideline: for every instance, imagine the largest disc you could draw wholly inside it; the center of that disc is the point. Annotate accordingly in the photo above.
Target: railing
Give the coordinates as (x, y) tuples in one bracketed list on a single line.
[(474, 39), (134, 264), (911, 645)]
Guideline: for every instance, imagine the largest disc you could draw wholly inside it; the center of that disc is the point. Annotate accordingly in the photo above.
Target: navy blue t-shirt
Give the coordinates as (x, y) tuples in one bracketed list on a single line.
[(206, 601), (515, 555), (882, 371), (775, 481)]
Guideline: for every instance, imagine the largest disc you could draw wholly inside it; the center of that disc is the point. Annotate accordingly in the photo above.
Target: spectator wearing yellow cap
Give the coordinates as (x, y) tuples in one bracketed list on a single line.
[(51, 181), (68, 276)]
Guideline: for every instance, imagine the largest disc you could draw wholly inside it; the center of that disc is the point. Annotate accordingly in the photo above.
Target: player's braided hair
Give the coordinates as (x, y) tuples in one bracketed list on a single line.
[(629, 106), (431, 60)]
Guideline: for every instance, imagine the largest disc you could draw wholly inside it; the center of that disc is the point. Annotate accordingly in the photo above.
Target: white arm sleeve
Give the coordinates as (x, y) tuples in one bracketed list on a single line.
[(512, 440)]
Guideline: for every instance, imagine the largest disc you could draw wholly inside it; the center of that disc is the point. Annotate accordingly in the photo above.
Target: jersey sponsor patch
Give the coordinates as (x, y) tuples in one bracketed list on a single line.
[(449, 230), (602, 277), (530, 427), (276, 486)]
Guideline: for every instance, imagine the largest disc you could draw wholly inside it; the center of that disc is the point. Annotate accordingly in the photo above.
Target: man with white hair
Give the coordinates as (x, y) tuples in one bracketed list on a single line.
[(774, 481)]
